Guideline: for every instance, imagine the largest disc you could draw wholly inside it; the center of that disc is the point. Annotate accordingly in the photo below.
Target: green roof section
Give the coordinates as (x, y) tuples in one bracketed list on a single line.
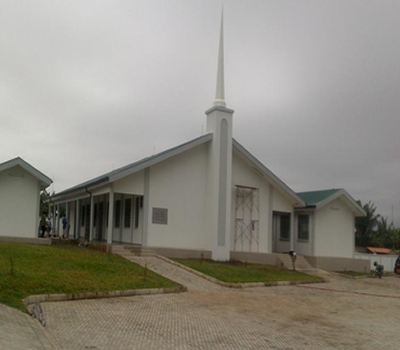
[(312, 198)]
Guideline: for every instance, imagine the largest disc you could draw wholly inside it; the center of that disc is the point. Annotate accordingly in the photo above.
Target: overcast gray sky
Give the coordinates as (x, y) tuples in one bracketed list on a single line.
[(88, 86)]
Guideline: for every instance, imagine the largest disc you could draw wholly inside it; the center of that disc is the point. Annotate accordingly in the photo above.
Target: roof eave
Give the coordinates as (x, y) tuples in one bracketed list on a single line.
[(357, 208)]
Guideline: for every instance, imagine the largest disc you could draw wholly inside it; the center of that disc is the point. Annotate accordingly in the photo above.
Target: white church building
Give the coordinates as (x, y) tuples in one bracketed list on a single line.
[(209, 194)]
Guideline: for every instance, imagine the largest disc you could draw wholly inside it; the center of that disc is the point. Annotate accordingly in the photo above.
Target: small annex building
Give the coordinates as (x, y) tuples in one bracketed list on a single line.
[(209, 194), (20, 187), (326, 225)]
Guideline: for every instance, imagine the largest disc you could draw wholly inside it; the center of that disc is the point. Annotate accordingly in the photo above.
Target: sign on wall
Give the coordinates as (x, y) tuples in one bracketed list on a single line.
[(160, 216)]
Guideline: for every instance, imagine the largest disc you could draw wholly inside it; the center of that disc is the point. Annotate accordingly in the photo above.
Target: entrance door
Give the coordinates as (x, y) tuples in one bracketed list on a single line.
[(281, 232)]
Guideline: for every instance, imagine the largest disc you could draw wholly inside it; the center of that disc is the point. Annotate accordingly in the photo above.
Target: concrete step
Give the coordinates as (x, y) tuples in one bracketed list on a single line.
[(131, 250), (301, 262)]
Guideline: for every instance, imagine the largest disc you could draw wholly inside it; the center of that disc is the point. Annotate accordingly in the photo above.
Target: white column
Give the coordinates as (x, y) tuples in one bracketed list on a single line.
[(219, 184), (146, 208), (91, 218), (58, 220), (67, 215), (110, 215), (292, 230), (54, 220), (77, 219), (121, 217)]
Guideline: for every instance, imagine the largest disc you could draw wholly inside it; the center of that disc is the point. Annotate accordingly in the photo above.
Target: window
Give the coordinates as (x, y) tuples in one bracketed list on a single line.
[(285, 227), (128, 212), (137, 205), (303, 227), (83, 212), (117, 213)]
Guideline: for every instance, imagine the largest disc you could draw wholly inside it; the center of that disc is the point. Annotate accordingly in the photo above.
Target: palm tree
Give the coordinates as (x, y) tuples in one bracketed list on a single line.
[(366, 225)]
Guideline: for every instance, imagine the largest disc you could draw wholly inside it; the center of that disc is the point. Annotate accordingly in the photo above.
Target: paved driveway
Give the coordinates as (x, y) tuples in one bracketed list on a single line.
[(342, 314)]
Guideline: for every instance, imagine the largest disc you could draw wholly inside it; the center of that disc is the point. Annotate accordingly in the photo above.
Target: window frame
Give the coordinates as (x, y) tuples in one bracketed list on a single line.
[(299, 231), (127, 213), (281, 237)]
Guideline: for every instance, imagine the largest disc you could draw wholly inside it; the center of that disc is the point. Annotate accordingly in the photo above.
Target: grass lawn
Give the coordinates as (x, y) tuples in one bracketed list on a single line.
[(237, 272), (67, 269)]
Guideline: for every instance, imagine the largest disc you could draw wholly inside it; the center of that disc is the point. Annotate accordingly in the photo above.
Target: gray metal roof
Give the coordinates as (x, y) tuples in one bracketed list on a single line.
[(137, 166), (159, 157), (44, 180)]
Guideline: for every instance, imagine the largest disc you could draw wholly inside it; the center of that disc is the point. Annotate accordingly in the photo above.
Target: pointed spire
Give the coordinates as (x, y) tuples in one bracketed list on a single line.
[(220, 92)]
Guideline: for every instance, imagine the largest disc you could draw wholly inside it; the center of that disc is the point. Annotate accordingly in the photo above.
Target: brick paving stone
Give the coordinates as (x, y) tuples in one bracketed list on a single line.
[(20, 331), (214, 317)]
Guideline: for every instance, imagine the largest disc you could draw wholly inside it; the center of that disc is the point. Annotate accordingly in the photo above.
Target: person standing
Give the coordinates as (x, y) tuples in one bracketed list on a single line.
[(42, 227)]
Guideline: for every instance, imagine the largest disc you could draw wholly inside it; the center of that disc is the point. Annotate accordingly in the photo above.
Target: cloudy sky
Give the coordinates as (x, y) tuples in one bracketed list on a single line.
[(88, 86)]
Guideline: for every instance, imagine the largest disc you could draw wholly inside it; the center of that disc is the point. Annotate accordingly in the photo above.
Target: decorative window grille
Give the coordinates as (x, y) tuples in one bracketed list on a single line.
[(303, 226), (247, 219), (117, 213), (285, 227), (128, 212)]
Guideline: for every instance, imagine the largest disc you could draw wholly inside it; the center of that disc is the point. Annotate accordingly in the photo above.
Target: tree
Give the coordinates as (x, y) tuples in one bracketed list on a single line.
[(366, 225), (44, 204)]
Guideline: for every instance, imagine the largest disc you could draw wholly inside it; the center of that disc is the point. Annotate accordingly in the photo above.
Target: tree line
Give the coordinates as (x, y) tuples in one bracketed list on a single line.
[(374, 230)]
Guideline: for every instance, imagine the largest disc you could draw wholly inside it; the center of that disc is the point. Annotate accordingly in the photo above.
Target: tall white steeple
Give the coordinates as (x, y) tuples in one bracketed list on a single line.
[(220, 91), (219, 178)]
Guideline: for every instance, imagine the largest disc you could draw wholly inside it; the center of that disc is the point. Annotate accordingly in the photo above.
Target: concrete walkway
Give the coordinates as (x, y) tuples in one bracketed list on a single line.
[(21, 331), (176, 274)]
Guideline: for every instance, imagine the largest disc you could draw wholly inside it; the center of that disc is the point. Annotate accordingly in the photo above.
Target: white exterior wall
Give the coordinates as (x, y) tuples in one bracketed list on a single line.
[(132, 184), (19, 203), (388, 261), (283, 205), (243, 175), (303, 247), (334, 230), (179, 185)]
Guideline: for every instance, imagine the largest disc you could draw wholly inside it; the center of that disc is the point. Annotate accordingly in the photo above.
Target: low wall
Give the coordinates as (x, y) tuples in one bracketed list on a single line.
[(257, 258), (338, 264), (39, 241), (182, 253), (388, 261)]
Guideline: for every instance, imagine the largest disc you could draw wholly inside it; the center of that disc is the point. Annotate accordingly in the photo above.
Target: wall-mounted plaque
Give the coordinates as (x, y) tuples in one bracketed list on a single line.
[(160, 216)]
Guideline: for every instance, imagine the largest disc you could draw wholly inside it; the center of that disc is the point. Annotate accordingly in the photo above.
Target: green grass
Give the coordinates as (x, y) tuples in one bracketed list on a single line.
[(237, 272), (67, 269)]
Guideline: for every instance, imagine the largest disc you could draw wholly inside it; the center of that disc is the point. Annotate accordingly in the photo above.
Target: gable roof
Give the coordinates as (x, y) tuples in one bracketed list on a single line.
[(269, 174), (159, 157), (318, 199), (312, 198), (45, 181), (137, 166)]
